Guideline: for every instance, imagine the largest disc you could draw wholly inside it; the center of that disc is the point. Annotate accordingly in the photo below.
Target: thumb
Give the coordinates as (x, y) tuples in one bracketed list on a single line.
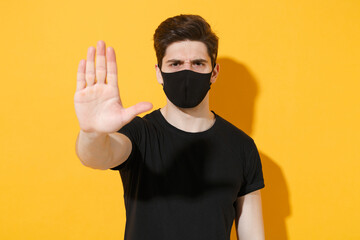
[(135, 110)]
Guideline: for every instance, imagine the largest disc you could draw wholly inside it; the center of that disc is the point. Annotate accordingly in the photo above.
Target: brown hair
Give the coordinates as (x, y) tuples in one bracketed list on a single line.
[(185, 27)]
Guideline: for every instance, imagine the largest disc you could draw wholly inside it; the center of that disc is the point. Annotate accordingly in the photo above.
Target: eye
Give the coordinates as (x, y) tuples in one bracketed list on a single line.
[(198, 63), (175, 64)]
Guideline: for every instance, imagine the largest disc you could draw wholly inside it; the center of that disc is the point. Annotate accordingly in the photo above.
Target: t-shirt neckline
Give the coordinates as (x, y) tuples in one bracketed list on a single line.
[(172, 128)]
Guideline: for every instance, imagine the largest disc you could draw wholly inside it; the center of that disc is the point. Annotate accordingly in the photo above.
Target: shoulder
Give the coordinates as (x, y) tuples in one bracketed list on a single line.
[(138, 125), (149, 124), (232, 132), (145, 120), (234, 138), (152, 116)]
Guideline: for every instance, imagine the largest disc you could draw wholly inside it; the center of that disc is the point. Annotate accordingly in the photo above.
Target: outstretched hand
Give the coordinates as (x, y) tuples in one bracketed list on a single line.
[(97, 100)]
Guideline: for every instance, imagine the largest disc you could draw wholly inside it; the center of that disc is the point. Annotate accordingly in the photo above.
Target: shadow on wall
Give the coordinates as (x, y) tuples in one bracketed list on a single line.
[(233, 97)]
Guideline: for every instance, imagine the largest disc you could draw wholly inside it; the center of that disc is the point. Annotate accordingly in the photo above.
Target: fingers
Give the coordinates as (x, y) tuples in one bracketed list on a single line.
[(90, 67), (100, 62), (80, 84), (106, 68), (111, 67)]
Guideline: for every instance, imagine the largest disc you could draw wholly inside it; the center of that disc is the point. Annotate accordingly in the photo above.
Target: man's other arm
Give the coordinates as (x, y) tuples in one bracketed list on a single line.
[(249, 219)]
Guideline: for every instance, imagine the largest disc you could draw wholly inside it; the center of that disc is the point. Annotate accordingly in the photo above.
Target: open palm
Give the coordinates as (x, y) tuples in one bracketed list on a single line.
[(97, 103)]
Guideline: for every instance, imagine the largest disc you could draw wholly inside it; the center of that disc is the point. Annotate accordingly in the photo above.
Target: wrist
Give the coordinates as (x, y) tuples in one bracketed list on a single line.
[(92, 134)]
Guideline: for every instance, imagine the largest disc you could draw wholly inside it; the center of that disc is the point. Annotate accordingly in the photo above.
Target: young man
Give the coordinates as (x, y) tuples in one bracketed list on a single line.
[(186, 172)]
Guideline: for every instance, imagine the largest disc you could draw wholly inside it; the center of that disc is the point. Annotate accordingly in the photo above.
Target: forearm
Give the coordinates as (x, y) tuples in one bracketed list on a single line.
[(94, 149), (249, 220), (251, 232)]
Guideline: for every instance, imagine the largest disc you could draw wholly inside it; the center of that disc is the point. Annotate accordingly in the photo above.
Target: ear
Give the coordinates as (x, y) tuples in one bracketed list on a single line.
[(215, 73), (158, 75)]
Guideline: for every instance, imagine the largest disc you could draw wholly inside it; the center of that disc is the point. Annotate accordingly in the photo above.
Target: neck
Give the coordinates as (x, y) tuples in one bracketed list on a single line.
[(197, 119)]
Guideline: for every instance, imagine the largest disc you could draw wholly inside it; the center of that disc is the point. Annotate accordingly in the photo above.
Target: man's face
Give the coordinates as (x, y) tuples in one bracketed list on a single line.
[(187, 55), (190, 55)]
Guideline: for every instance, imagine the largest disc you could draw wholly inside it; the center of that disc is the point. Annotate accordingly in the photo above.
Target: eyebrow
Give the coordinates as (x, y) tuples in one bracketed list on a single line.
[(201, 60)]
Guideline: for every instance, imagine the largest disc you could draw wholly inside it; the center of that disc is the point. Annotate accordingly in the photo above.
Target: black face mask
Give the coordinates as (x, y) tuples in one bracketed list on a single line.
[(186, 88)]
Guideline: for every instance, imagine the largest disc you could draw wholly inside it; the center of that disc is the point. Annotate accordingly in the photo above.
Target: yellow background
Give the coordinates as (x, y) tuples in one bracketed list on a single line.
[(289, 78)]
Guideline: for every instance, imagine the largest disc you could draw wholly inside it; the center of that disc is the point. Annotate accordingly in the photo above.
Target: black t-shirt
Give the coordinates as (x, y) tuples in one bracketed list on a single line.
[(180, 185)]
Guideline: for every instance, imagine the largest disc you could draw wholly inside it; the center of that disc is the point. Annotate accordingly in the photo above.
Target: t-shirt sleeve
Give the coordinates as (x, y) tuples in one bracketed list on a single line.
[(133, 131), (253, 175)]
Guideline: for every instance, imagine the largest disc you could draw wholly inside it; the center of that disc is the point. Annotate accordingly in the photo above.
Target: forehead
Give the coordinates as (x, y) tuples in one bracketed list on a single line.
[(186, 50)]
